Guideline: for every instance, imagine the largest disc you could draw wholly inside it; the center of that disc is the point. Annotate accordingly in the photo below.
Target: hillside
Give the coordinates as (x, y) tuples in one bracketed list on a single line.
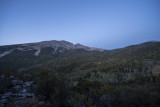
[(85, 76), (34, 55), (25, 55)]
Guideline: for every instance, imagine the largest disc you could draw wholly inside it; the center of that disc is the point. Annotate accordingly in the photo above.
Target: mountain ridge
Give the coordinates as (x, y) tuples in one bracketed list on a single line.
[(36, 55), (52, 43), (55, 45)]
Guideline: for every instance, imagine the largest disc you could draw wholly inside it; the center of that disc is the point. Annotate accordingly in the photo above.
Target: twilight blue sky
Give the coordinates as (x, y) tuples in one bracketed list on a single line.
[(107, 24)]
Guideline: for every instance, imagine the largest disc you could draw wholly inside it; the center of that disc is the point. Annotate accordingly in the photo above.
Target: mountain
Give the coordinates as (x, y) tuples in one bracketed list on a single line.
[(56, 45), (34, 55), (59, 73)]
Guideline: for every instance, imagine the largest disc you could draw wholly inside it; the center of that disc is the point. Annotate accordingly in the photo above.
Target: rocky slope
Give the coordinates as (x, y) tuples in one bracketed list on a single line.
[(5, 50)]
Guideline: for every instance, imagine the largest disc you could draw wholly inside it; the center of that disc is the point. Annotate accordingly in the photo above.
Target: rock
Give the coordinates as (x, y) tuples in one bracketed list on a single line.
[(41, 102), (23, 91), (18, 94), (21, 96), (29, 95), (28, 84), (16, 82), (26, 75), (7, 96), (17, 87), (3, 101), (11, 77)]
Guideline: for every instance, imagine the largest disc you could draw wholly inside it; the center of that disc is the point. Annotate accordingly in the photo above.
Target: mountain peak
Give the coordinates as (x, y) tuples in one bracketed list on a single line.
[(54, 44)]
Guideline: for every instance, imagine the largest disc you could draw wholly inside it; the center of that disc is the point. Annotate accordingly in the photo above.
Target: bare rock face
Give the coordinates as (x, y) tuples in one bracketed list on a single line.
[(39, 45)]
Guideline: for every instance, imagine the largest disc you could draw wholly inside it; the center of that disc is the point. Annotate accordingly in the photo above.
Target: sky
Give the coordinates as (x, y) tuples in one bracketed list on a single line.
[(106, 24)]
